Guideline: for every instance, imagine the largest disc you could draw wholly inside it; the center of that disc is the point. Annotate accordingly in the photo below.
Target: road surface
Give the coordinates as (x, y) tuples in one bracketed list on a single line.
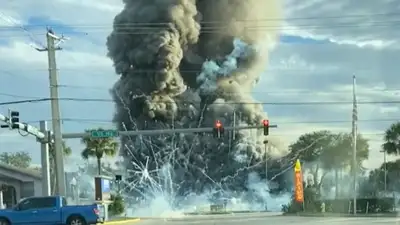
[(263, 219)]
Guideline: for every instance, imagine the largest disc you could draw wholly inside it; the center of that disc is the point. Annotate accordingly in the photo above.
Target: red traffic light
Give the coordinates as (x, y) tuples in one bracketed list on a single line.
[(218, 124), (266, 122)]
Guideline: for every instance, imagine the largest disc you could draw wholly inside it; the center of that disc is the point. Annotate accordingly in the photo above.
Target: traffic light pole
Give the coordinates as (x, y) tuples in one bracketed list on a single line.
[(41, 137), (169, 131), (44, 147), (266, 159), (25, 127)]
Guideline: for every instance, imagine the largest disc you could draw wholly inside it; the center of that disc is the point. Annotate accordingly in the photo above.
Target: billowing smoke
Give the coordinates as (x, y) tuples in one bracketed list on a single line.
[(185, 64)]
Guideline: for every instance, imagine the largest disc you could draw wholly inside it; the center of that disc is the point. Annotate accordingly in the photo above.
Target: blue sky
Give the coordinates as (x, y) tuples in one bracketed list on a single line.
[(307, 64)]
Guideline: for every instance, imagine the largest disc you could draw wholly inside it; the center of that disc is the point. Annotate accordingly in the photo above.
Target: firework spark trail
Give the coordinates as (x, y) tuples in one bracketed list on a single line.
[(155, 189)]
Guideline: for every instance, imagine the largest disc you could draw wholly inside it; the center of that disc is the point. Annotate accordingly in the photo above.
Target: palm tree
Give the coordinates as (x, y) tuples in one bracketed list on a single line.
[(392, 139), (67, 151), (98, 148)]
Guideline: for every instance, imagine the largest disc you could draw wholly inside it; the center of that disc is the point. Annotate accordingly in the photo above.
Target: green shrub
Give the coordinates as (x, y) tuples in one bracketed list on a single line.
[(311, 203), (117, 206)]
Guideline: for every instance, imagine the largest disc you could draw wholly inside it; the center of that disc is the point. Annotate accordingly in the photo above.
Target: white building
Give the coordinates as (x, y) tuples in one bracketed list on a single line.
[(17, 183)]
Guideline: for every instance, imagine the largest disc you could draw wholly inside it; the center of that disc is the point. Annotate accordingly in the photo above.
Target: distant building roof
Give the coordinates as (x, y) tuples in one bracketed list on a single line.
[(28, 172)]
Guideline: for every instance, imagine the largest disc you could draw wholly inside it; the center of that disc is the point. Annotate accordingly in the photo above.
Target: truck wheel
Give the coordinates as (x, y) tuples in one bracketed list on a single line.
[(4, 222), (75, 220)]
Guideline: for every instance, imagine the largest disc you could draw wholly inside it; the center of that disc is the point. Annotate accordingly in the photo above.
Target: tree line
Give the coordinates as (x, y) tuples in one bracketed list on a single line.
[(325, 151)]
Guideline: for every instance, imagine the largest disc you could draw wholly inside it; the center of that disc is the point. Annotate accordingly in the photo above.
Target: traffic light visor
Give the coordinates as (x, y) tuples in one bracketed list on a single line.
[(266, 122), (218, 124), (14, 113)]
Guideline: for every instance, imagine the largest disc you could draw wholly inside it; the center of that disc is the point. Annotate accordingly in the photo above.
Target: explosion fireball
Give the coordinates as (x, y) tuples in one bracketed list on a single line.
[(187, 63)]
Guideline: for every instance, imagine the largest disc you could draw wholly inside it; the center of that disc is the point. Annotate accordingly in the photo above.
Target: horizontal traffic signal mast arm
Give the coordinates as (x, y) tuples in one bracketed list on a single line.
[(167, 131), (25, 127)]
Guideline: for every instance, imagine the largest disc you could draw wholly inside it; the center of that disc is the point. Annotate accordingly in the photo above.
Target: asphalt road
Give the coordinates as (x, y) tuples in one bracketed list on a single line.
[(267, 219)]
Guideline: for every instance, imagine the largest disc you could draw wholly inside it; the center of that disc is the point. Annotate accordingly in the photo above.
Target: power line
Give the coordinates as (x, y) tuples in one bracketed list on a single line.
[(272, 68), (217, 30), (13, 22), (276, 93), (191, 102), (153, 26), (277, 121), (319, 18), (19, 96), (211, 30), (281, 91)]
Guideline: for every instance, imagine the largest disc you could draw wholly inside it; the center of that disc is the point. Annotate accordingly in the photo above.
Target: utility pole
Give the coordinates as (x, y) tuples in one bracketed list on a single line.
[(354, 133), (51, 49)]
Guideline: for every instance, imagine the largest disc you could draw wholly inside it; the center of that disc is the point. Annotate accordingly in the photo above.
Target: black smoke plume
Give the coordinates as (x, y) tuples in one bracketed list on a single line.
[(187, 63)]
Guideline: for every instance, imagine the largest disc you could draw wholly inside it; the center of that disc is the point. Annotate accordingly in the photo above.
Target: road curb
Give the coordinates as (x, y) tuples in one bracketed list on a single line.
[(221, 213), (122, 221), (342, 215)]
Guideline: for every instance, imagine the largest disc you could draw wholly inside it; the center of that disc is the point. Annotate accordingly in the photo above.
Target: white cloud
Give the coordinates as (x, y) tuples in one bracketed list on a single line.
[(297, 72), (367, 23)]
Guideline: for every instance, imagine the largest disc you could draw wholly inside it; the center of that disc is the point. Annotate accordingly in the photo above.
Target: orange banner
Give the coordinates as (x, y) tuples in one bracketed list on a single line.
[(298, 183), (298, 187)]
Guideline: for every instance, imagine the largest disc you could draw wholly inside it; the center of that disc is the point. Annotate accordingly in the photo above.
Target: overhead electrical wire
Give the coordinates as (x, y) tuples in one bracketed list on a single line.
[(215, 30), (274, 93), (282, 91), (210, 29), (319, 18), (250, 25), (147, 29), (304, 103), (19, 26), (277, 121)]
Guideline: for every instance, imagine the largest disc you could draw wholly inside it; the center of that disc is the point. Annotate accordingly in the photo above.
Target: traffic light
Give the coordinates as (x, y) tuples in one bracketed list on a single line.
[(266, 127), (13, 117), (218, 129)]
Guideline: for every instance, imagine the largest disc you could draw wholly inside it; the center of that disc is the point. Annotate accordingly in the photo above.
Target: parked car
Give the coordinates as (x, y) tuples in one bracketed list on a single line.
[(50, 210)]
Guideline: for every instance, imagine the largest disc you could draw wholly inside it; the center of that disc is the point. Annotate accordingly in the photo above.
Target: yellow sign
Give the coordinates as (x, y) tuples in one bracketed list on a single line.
[(297, 167), (298, 189), (298, 183)]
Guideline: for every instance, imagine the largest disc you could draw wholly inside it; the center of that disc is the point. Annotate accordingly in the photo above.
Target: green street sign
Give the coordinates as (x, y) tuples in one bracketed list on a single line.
[(104, 133)]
